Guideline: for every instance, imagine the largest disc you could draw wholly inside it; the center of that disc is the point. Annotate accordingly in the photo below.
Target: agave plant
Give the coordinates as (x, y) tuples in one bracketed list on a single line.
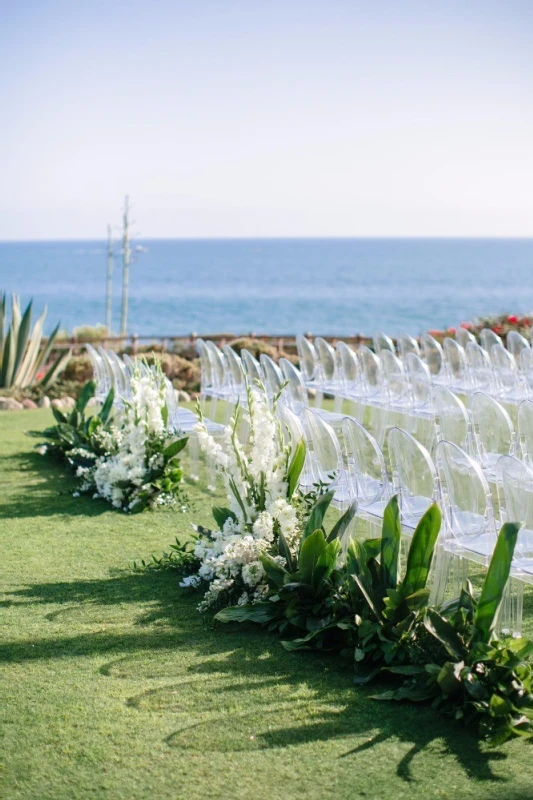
[(21, 354)]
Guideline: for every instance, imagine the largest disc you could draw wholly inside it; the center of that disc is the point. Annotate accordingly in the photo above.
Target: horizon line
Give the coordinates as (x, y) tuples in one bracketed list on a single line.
[(389, 237)]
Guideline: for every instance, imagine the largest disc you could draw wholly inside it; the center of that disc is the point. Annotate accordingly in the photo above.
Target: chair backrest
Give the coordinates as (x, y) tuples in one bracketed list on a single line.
[(453, 422), (295, 393), (235, 368), (455, 358), (516, 343), (218, 367), (382, 342), (349, 369), (493, 429), (119, 369), (109, 371), (99, 371), (487, 339), (326, 360), (251, 367), (366, 466), (525, 430), (324, 448), (463, 336), (414, 475), (432, 352), (307, 356), (292, 427), (419, 378), (129, 363), (506, 375), (206, 370), (526, 367), (272, 373), (480, 369), (407, 344), (517, 489), (372, 383), (466, 500), (395, 380)]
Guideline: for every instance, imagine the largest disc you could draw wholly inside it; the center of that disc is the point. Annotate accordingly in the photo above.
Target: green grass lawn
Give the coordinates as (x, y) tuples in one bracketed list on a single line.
[(113, 686)]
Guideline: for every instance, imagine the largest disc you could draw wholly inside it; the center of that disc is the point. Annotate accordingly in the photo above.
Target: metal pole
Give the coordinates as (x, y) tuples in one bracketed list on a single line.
[(109, 285), (126, 267)]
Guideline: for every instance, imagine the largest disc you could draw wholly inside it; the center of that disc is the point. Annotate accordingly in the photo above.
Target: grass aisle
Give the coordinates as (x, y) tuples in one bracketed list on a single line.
[(114, 686)]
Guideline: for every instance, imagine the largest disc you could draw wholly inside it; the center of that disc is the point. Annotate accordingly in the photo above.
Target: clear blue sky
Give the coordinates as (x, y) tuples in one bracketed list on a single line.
[(266, 118)]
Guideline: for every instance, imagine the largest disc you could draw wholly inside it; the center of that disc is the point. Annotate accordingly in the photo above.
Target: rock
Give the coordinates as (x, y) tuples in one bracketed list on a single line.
[(68, 402), (183, 397), (10, 404), (44, 402), (27, 403), (57, 403)]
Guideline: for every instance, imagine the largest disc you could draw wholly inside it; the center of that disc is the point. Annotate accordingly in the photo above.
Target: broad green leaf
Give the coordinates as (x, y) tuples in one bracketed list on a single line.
[(107, 406), (391, 535), (421, 551), (273, 570), (445, 632), (449, 678), (295, 468), (495, 581), (220, 515), (8, 360), (310, 552), (85, 395), (172, 449), (318, 512), (23, 337), (342, 525), (60, 417), (326, 564), (256, 612)]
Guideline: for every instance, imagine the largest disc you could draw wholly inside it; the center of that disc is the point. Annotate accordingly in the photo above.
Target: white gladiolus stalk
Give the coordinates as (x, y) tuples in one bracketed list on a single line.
[(254, 459)]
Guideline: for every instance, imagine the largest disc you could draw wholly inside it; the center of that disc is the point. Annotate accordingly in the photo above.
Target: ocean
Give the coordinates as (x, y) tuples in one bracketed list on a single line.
[(276, 286)]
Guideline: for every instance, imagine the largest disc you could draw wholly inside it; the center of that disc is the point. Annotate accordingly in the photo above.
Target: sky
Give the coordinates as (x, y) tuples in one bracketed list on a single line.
[(266, 118)]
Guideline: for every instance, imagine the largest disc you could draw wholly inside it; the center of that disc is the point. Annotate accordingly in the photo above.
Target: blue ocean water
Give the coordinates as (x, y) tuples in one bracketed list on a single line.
[(277, 286)]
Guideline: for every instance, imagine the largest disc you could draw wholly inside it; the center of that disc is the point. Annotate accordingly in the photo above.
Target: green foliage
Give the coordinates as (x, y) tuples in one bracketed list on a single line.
[(180, 559), (479, 678), (21, 351)]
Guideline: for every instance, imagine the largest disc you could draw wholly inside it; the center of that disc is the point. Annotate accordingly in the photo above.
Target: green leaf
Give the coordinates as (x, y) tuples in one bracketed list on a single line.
[(107, 406), (174, 448), (221, 515), (318, 512), (421, 551), (310, 552), (56, 369), (85, 395), (391, 535), (295, 468), (23, 337), (274, 572), (261, 613), (60, 417), (495, 581), (284, 550), (449, 678), (445, 633), (342, 525)]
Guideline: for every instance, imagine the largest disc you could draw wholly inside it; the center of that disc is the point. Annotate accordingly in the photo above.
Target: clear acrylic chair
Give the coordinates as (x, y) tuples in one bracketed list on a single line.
[(414, 477), (235, 379), (366, 473), (382, 342), (325, 456), (463, 336), (421, 419), (494, 434), (458, 378), (470, 527), (525, 432), (508, 382), (327, 378), (293, 432), (517, 506), (434, 357), (251, 367), (452, 420), (526, 369), (295, 394), (480, 369), (308, 359), (487, 339), (99, 373), (516, 343), (373, 393), (272, 373), (407, 344)]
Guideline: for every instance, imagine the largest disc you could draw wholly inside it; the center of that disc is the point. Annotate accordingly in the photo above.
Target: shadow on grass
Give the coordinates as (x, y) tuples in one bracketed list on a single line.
[(232, 679), (47, 492)]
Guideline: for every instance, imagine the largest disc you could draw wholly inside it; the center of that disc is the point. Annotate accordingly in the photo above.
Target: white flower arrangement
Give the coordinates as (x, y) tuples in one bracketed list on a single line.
[(261, 478)]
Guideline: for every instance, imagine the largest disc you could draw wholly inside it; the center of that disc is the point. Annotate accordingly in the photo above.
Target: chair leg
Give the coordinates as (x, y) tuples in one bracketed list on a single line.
[(194, 453)]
